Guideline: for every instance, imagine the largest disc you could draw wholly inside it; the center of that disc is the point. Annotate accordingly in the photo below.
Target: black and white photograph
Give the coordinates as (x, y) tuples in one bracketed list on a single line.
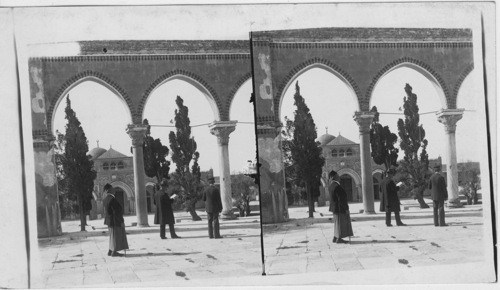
[(253, 144)]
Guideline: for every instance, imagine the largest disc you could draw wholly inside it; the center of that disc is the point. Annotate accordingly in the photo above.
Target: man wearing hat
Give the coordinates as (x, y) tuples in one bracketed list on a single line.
[(389, 199), (164, 214), (213, 206), (439, 194)]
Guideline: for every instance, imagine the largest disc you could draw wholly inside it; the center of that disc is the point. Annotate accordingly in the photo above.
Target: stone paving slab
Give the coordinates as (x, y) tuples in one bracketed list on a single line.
[(79, 259), (304, 245)]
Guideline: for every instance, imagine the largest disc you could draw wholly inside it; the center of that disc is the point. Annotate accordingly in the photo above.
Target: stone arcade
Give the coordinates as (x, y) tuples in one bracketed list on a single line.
[(360, 57), (133, 70)]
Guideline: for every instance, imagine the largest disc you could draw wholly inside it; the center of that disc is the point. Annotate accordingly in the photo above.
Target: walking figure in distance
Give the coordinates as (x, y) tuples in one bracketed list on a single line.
[(439, 194), (115, 222), (389, 199), (340, 209), (213, 206), (164, 214)]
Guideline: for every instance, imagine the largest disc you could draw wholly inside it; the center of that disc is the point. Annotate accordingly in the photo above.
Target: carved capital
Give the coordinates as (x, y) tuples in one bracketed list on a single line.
[(364, 120), (137, 132), (449, 118), (222, 129)]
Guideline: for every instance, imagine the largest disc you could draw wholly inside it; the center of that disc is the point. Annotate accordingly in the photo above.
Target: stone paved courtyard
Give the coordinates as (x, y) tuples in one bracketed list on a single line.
[(297, 252), (80, 259), (304, 245)]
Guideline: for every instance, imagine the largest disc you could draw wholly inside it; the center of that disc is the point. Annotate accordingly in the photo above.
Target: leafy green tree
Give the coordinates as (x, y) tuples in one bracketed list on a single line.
[(382, 142), (306, 155), (155, 154), (414, 167), (185, 180), (78, 165)]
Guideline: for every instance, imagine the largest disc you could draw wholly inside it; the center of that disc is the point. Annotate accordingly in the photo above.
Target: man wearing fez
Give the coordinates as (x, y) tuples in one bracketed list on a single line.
[(340, 209), (389, 200), (213, 206), (439, 194), (115, 222), (164, 214)]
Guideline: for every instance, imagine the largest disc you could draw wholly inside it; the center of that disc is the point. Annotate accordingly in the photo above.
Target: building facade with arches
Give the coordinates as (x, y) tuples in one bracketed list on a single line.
[(343, 156), (360, 58), (132, 70), (117, 169)]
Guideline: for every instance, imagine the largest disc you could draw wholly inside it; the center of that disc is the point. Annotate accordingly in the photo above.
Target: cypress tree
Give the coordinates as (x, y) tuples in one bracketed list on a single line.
[(415, 164), (305, 152), (186, 180), (78, 165)]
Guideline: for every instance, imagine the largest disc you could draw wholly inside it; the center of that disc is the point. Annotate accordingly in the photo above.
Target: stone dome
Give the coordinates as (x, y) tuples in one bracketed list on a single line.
[(325, 139), (96, 152)]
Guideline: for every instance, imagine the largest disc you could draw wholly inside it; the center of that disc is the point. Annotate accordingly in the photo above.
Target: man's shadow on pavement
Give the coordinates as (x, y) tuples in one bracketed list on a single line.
[(149, 254), (354, 242)]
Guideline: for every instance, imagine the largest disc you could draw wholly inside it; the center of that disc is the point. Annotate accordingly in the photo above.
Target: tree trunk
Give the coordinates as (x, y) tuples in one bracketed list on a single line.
[(310, 201), (83, 220), (192, 211), (422, 202)]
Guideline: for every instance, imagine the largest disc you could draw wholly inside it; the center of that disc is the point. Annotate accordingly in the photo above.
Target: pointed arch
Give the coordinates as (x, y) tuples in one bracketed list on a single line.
[(93, 76), (190, 78), (465, 73), (232, 94), (308, 65), (126, 188), (353, 174), (419, 66)]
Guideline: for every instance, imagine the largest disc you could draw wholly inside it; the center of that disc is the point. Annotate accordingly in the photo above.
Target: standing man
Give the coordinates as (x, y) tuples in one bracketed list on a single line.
[(164, 213), (340, 209), (439, 194), (114, 220), (213, 206), (389, 199)]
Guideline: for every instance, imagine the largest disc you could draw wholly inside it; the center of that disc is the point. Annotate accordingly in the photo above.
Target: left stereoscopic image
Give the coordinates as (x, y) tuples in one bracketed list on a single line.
[(144, 156)]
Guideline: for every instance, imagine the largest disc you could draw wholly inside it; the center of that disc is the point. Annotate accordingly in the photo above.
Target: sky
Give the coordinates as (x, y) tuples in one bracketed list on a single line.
[(92, 102), (333, 106)]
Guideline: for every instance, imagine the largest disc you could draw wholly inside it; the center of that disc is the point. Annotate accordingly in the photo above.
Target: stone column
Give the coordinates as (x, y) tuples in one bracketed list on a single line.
[(137, 132), (222, 129), (364, 120), (47, 199), (449, 118)]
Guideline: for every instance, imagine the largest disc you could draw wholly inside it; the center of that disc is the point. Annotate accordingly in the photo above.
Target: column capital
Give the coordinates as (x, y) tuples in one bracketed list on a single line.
[(449, 118), (364, 120), (222, 129), (137, 132)]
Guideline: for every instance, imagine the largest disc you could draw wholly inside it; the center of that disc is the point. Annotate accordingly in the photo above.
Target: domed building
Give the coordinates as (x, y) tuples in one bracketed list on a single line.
[(116, 168), (343, 156)]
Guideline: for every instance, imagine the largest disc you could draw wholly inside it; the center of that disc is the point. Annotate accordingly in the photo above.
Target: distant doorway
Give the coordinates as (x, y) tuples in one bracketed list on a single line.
[(346, 183)]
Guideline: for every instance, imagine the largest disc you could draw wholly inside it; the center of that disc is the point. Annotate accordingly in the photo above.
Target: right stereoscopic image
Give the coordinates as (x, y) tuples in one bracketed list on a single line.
[(373, 153)]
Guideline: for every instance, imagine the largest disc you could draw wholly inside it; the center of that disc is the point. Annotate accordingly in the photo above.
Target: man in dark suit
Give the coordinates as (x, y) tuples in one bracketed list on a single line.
[(389, 199), (213, 206), (439, 194), (164, 214)]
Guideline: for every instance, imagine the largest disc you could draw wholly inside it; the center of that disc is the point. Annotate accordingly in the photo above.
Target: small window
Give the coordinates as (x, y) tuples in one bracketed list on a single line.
[(120, 165), (334, 153), (348, 152), (105, 166), (341, 153), (112, 166)]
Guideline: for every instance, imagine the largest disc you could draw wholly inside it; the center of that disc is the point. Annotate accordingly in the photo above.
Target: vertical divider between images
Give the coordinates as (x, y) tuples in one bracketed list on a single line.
[(22, 159), (253, 100), (488, 142)]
